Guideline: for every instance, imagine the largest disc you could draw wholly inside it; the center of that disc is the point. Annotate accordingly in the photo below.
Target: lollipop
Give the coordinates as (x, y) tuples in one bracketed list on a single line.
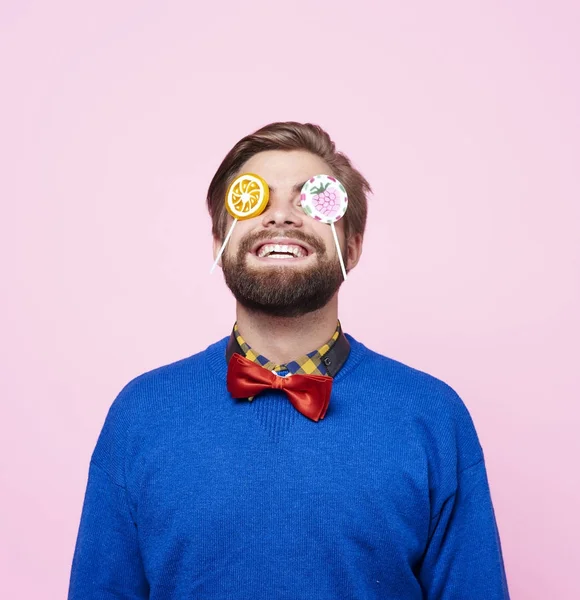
[(246, 197), (324, 198)]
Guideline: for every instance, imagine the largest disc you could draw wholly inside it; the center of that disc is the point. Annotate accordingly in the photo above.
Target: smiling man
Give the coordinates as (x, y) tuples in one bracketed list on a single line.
[(288, 461)]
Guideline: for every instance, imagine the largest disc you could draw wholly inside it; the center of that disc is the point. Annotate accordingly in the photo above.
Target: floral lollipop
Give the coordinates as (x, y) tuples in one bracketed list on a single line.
[(246, 197), (324, 198)]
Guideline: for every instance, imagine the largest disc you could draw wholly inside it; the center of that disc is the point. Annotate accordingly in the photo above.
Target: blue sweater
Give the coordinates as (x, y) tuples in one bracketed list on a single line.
[(192, 494)]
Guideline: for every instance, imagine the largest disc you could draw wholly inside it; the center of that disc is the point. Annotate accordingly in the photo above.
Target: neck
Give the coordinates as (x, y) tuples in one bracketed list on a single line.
[(283, 339)]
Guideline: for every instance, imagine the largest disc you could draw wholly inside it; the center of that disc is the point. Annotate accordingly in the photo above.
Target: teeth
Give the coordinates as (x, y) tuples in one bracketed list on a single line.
[(285, 250)]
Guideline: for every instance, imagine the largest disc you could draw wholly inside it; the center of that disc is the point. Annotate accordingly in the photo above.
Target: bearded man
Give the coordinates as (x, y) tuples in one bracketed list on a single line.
[(288, 461)]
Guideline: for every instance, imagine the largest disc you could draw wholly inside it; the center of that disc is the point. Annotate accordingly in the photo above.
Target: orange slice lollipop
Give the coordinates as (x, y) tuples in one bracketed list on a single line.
[(247, 196)]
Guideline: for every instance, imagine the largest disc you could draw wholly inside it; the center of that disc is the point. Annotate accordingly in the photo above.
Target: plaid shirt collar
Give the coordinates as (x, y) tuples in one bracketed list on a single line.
[(326, 360)]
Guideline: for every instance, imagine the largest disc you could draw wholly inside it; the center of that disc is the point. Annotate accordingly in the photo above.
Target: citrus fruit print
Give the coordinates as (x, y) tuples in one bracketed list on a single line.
[(324, 199), (247, 196)]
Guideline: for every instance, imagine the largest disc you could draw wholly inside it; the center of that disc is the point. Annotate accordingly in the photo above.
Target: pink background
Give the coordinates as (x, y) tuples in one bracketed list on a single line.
[(463, 115)]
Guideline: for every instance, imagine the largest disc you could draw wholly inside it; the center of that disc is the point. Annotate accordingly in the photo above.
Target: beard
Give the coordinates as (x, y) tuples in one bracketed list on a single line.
[(282, 291)]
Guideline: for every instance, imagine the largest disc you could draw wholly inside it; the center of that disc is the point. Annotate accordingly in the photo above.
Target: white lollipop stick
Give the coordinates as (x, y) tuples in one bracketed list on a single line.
[(338, 250), (223, 247)]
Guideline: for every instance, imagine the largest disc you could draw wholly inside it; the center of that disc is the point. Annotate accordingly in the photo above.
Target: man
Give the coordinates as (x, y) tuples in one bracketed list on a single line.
[(234, 474)]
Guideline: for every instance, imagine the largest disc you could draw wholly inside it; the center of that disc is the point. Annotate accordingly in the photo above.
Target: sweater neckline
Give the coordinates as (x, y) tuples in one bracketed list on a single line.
[(216, 357)]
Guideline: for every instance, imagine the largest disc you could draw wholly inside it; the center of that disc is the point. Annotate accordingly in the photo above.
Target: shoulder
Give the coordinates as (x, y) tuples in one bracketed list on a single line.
[(146, 398), (171, 377), (160, 388), (394, 376), (434, 411)]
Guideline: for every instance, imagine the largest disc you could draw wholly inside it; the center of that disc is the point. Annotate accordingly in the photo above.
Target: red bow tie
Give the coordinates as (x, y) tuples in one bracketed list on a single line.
[(309, 394)]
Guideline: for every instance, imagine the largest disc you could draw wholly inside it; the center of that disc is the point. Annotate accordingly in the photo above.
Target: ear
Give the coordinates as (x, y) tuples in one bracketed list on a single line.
[(353, 250)]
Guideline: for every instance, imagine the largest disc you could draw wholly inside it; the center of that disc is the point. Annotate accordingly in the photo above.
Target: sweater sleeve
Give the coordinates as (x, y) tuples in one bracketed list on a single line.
[(107, 563), (464, 558)]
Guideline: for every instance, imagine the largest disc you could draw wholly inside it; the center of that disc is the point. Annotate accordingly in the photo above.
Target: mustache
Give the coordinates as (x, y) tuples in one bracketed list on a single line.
[(248, 242)]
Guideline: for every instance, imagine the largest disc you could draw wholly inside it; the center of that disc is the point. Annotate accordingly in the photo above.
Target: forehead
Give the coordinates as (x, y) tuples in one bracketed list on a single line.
[(286, 168)]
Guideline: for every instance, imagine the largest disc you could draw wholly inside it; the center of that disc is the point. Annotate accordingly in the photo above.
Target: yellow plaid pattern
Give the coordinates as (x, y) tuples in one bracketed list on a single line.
[(308, 364)]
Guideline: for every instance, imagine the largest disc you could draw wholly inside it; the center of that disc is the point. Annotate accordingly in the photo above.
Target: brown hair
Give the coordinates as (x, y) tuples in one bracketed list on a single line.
[(290, 136)]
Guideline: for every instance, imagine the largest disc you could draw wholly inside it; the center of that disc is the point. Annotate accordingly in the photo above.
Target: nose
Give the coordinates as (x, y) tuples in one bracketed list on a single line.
[(283, 210)]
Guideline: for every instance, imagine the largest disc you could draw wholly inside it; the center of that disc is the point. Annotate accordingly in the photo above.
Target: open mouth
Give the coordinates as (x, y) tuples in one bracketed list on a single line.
[(283, 251)]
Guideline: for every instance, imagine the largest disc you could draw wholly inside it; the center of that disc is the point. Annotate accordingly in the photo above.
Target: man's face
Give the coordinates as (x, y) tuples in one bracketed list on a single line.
[(283, 262)]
